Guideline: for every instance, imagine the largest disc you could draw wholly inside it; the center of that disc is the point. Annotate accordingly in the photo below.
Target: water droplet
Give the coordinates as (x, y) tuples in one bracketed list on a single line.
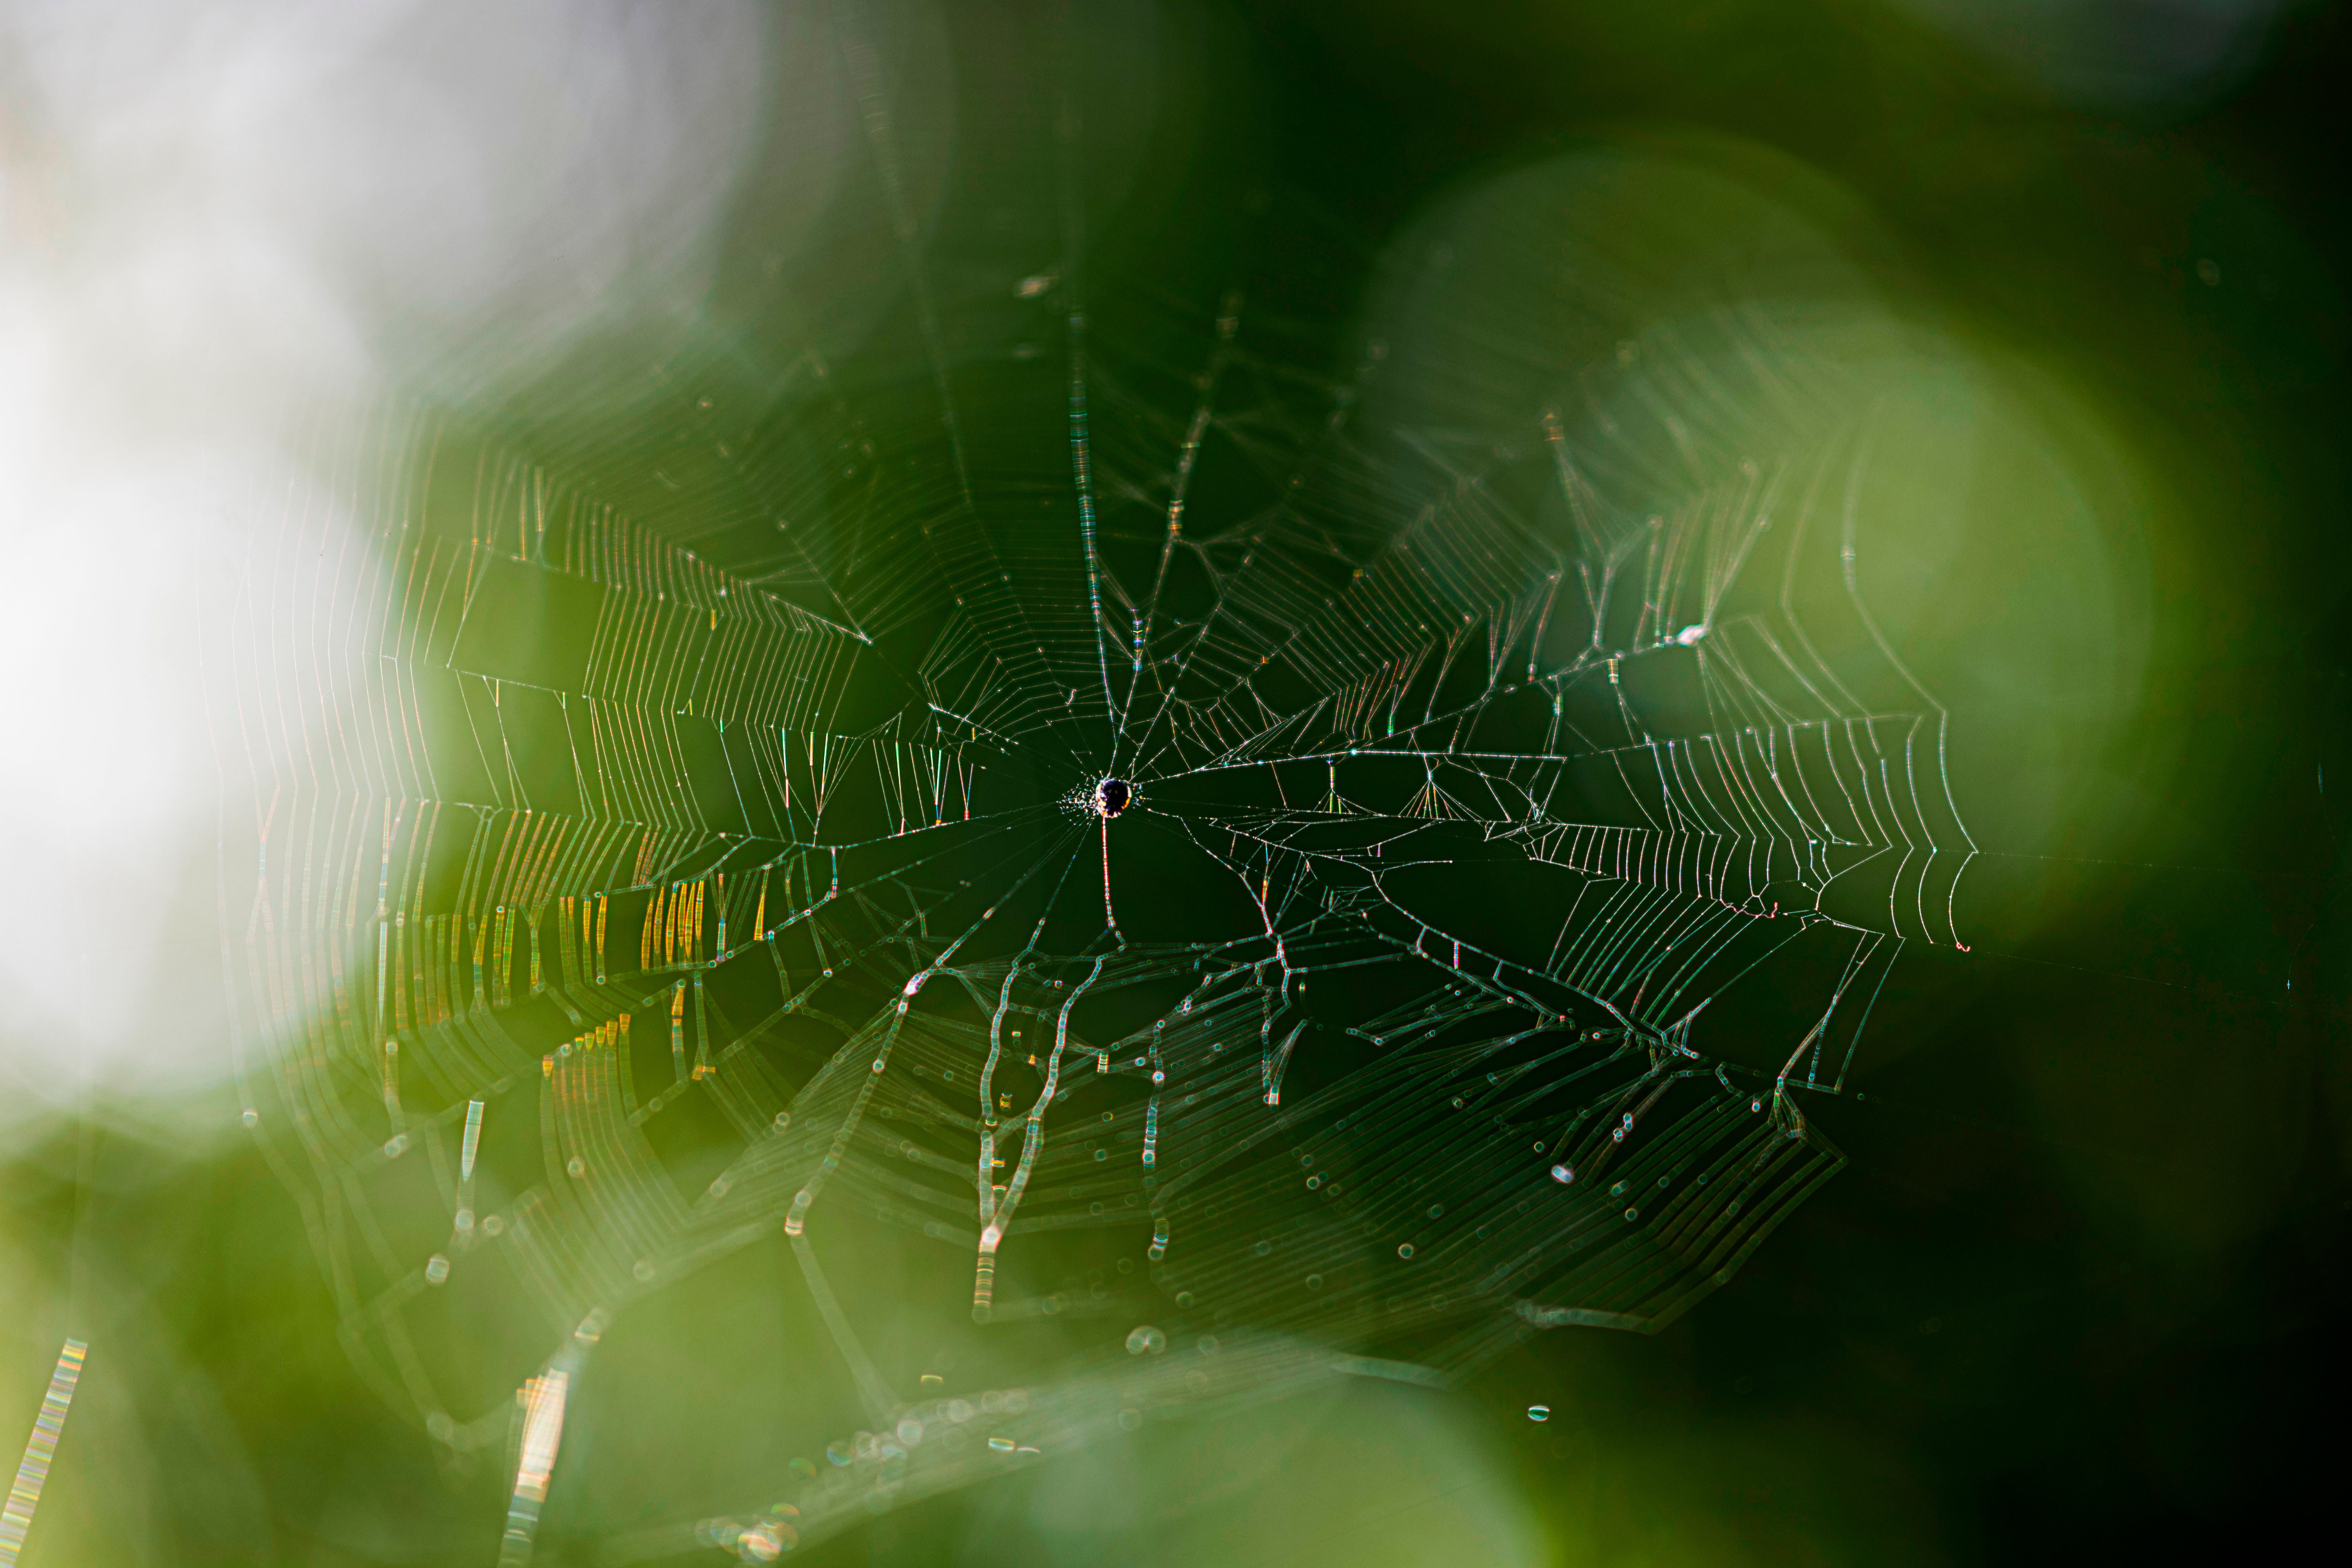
[(1539, 1412), (766, 1542), (1145, 1340), (437, 1269), (1404, 1249), (1562, 1175)]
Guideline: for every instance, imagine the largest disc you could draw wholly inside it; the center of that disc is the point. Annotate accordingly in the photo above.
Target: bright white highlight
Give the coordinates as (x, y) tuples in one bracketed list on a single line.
[(216, 221), (543, 1399)]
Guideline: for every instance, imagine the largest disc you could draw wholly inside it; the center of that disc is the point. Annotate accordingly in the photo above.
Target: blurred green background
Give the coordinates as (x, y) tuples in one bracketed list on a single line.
[(2081, 1291)]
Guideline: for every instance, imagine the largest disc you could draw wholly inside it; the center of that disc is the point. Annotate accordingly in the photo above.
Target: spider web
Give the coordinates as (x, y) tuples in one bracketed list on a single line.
[(680, 830)]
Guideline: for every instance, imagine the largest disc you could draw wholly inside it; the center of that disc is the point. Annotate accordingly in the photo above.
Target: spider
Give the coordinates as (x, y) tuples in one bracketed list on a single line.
[(1112, 796)]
